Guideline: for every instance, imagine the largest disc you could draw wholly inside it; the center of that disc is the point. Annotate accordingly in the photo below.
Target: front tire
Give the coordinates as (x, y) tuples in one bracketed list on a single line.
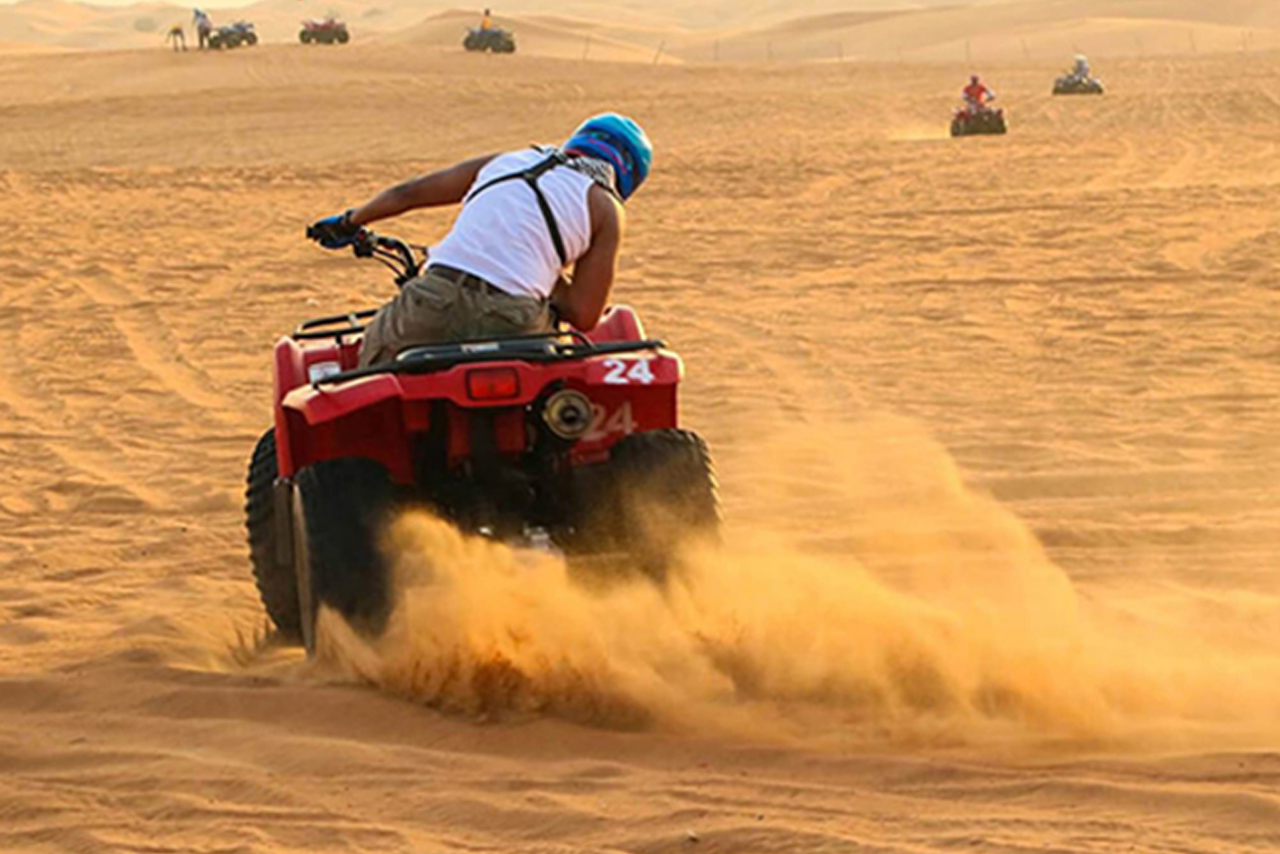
[(340, 508), (272, 572)]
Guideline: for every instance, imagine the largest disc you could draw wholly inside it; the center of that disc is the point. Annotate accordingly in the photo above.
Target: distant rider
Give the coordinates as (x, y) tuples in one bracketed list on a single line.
[(204, 27), (486, 21), (977, 95), (526, 217), (178, 37), (1080, 70)]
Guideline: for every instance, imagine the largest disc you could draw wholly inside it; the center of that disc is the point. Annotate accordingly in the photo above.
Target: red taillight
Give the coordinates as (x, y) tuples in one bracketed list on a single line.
[(493, 384)]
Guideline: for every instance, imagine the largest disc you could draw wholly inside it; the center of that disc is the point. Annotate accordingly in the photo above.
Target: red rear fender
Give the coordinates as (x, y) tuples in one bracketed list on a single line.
[(369, 418), (296, 366), (299, 363), (291, 371)]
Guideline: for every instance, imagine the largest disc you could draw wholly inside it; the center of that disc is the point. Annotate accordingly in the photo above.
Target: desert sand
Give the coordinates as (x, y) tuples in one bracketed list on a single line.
[(995, 423), (709, 30)]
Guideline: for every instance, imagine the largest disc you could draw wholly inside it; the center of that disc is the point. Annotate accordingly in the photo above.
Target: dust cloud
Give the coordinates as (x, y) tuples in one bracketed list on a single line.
[(933, 616)]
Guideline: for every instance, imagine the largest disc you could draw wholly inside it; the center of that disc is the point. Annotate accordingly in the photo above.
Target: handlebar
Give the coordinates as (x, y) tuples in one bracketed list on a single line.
[(392, 252)]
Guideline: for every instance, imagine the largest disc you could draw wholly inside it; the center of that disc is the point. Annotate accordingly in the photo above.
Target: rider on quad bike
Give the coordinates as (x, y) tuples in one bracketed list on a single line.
[(977, 95), (977, 117), (526, 217), (1079, 80), (467, 398)]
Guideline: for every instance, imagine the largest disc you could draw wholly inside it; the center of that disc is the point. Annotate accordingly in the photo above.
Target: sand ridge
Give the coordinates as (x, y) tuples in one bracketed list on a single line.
[(1003, 31)]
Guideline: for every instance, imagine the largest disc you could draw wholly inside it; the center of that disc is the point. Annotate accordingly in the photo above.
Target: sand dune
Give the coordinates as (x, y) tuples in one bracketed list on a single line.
[(1021, 30), (548, 37), (27, 47), (82, 26), (639, 36), (713, 14), (995, 423), (1011, 30), (65, 24), (278, 20), (70, 25)]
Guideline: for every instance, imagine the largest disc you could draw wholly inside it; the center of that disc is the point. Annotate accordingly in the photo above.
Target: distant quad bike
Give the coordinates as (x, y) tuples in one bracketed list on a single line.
[(1071, 84), (328, 31), (494, 40), (562, 439), (978, 121), (233, 35)]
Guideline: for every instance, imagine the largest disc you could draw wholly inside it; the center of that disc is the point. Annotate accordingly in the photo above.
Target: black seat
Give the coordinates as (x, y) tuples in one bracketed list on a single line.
[(479, 351)]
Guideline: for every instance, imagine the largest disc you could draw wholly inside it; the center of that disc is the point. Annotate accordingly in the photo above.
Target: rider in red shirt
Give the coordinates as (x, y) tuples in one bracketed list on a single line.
[(976, 94)]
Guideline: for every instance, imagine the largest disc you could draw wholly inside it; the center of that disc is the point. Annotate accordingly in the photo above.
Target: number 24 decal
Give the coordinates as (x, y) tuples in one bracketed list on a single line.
[(605, 423), (618, 372)]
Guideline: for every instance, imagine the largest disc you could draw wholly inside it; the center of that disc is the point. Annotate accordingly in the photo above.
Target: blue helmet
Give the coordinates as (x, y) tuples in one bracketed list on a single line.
[(619, 141)]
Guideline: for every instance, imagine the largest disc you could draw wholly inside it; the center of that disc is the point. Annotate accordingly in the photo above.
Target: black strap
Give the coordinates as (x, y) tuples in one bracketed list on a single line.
[(530, 176)]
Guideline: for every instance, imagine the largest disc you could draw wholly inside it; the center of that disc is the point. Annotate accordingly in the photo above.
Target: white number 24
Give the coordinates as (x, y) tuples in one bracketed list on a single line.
[(619, 372)]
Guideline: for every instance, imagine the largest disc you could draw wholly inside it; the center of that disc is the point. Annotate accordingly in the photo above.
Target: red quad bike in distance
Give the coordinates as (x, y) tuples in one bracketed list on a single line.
[(565, 438), (328, 31), (970, 120)]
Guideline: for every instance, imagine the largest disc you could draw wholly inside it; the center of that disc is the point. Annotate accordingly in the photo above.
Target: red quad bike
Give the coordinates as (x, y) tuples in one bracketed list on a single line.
[(564, 439), (328, 31), (970, 120)]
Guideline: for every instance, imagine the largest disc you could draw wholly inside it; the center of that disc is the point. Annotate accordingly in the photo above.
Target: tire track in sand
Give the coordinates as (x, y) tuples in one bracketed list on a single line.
[(92, 456), (153, 349)]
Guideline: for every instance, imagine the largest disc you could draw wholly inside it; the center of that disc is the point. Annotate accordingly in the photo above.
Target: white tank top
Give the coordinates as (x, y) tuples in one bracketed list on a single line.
[(501, 235)]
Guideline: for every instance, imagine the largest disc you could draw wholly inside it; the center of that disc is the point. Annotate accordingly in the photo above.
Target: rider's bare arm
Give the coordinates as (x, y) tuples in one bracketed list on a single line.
[(446, 187), (582, 301)]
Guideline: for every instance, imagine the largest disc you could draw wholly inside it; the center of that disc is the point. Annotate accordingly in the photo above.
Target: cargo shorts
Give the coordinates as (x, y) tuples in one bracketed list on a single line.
[(441, 306)]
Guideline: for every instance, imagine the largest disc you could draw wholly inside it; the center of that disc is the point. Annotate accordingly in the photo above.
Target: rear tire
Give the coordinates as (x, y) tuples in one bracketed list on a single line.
[(277, 585), (343, 37), (665, 496), (304, 37), (340, 508)]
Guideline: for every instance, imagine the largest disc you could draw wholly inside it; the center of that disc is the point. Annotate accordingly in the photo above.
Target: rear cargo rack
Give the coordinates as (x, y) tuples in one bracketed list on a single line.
[(540, 348), (327, 327)]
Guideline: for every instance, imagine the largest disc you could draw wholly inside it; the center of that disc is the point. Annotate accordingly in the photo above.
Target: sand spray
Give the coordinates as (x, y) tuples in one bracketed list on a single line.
[(938, 619)]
